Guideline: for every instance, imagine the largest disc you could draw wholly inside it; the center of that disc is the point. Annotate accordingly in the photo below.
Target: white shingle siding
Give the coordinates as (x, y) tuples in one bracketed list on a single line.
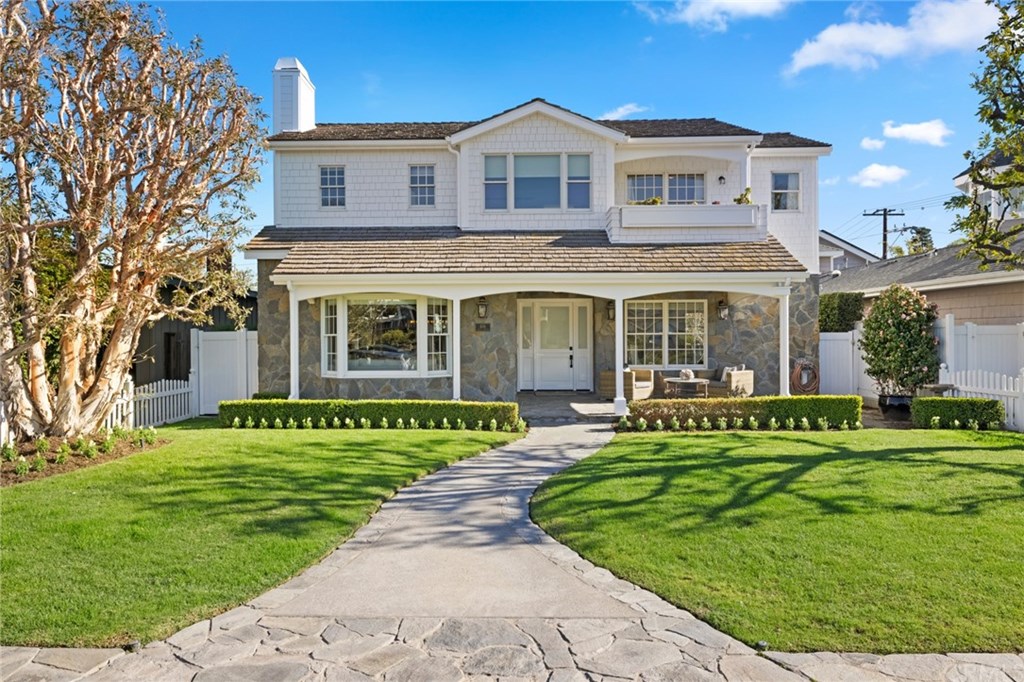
[(376, 189), (796, 230), (534, 134)]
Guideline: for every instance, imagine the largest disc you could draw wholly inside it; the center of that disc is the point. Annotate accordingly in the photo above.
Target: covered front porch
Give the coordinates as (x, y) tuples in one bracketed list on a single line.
[(490, 338)]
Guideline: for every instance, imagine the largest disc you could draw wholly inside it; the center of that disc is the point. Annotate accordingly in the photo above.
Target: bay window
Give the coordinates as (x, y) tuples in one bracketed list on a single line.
[(385, 336), (669, 334)]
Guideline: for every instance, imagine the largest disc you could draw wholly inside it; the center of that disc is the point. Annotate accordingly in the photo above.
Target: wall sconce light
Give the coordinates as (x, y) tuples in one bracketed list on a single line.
[(611, 310), (721, 179), (723, 310), (481, 307)]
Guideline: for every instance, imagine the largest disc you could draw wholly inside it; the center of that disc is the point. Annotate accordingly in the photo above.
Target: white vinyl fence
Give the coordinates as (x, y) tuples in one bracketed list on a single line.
[(981, 361), (979, 384)]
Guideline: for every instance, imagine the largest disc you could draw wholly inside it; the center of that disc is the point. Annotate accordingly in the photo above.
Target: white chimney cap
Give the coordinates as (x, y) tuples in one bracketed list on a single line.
[(290, 64)]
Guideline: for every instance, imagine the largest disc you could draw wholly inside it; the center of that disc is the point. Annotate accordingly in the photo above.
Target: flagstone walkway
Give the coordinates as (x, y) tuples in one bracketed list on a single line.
[(452, 581)]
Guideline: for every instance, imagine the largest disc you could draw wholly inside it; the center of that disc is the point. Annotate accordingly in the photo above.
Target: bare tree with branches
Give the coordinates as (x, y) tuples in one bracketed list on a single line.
[(125, 162)]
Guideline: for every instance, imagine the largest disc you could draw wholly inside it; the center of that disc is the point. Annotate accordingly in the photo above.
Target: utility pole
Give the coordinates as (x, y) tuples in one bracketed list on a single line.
[(885, 213)]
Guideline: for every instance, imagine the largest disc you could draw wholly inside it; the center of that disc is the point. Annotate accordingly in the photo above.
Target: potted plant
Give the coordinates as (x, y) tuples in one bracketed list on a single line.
[(900, 346)]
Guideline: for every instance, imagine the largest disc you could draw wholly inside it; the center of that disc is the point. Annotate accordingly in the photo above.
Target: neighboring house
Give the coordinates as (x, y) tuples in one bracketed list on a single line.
[(996, 162), (956, 285), (477, 259), (165, 350), (835, 253)]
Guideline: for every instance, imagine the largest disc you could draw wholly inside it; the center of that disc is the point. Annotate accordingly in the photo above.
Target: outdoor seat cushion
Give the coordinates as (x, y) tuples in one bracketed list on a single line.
[(643, 384)]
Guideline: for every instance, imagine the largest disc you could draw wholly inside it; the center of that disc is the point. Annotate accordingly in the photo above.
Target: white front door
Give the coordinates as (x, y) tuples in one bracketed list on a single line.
[(555, 345)]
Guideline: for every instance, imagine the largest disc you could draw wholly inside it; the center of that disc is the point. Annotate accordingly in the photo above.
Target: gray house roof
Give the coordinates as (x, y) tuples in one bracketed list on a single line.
[(419, 250), (940, 264), (654, 127)]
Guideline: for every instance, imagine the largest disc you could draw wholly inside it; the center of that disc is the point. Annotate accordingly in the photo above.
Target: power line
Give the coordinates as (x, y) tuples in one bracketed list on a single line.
[(885, 213)]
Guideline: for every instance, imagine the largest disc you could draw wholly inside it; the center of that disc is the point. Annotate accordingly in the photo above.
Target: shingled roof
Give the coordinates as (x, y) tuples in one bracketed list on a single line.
[(433, 250), (935, 265), (655, 127)]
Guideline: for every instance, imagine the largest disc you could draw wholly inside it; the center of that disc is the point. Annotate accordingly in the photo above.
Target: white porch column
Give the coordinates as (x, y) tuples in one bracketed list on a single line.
[(620, 359), (293, 341), (784, 344), (455, 327)]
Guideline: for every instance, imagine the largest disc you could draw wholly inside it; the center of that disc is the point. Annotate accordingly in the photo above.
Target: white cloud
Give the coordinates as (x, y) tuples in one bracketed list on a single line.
[(877, 175), (933, 132), (871, 144), (622, 112), (932, 26), (713, 15), (647, 40), (830, 182), (862, 10)]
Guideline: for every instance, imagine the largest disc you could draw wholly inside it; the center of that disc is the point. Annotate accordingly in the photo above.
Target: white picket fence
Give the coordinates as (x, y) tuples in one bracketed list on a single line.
[(161, 402), (979, 384), (983, 358)]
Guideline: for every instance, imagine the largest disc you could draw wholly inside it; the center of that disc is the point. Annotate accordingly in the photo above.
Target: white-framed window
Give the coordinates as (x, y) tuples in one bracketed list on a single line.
[(385, 335), (785, 191), (640, 188), (669, 333), (332, 186), (421, 185), (496, 182), (578, 181), (537, 181), (685, 188)]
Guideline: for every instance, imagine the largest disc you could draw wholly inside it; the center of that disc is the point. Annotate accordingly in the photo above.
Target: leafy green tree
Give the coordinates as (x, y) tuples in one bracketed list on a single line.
[(126, 159), (997, 165), (920, 241)]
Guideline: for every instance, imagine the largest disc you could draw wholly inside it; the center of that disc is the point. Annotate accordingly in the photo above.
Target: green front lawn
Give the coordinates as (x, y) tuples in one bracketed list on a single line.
[(877, 540), (143, 546)]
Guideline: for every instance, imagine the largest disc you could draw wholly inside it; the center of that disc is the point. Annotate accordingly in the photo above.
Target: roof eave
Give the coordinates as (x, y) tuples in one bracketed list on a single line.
[(315, 145)]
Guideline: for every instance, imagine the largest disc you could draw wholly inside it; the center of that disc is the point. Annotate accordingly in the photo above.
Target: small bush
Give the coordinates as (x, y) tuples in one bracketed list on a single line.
[(107, 446), (659, 425), (88, 450), (62, 455), (840, 312), (42, 446), (21, 467), (8, 453), (641, 424), (38, 463), (946, 413)]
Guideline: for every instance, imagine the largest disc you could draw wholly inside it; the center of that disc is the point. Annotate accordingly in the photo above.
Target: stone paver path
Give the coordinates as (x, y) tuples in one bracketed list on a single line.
[(452, 581)]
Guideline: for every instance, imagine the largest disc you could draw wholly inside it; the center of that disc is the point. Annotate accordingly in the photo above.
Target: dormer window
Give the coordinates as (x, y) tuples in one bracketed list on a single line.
[(538, 181)]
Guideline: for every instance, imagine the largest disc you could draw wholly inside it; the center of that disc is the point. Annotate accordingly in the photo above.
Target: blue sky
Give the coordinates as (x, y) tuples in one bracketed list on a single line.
[(886, 83)]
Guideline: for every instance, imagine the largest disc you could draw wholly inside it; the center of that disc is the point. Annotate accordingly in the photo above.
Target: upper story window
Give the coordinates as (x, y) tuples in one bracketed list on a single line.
[(537, 182), (496, 182), (332, 186), (641, 188), (421, 185), (686, 188), (785, 191), (578, 183)]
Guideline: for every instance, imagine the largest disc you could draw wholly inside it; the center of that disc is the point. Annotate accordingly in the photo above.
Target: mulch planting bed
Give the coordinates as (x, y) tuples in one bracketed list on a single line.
[(75, 460)]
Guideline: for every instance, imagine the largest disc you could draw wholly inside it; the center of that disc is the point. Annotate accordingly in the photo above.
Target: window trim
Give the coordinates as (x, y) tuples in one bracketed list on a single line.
[(703, 189), (798, 191), (421, 371), (563, 182), (666, 177), (664, 302), (344, 186), (432, 186)]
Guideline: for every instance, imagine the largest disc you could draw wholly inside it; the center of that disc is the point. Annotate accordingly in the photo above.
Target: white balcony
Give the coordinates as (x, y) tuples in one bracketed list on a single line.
[(687, 223)]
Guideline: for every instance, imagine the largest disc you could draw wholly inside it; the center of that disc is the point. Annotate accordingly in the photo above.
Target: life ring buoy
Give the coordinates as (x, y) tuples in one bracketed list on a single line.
[(804, 379)]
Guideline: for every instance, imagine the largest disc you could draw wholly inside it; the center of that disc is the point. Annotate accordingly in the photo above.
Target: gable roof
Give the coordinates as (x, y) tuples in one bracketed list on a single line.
[(994, 159), (640, 128), (449, 250), (827, 236), (933, 269), (534, 106)]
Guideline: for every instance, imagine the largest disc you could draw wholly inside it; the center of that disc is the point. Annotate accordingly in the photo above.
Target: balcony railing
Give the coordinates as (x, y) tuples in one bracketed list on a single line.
[(687, 223)]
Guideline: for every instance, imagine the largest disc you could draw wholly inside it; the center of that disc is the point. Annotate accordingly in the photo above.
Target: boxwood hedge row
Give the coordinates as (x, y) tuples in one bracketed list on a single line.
[(954, 413), (318, 412), (835, 408)]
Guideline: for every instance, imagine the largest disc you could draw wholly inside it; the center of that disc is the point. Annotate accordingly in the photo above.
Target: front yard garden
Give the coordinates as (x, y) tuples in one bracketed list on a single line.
[(880, 541), (142, 546)]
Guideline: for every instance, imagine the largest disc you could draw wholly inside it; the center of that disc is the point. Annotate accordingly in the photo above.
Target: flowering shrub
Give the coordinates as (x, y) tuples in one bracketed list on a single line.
[(899, 343)]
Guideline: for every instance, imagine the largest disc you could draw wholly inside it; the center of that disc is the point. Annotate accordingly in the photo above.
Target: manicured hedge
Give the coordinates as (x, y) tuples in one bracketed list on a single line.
[(952, 413), (375, 411), (837, 409), (840, 312), (269, 395)]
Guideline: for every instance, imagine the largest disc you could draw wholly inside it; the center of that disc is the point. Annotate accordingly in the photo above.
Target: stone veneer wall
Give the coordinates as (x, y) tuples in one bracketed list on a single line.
[(489, 358), (750, 336), (272, 328)]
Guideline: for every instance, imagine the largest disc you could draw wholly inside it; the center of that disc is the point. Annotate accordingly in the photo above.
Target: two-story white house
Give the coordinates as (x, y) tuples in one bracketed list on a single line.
[(528, 251)]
